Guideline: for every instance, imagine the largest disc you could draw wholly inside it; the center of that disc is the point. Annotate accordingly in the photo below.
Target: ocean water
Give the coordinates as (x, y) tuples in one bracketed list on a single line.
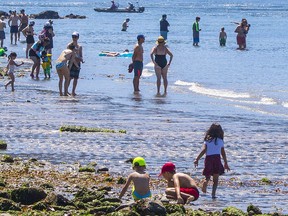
[(245, 91)]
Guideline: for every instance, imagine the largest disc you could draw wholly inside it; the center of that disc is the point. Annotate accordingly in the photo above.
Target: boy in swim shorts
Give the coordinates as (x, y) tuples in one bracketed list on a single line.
[(180, 186), (140, 179)]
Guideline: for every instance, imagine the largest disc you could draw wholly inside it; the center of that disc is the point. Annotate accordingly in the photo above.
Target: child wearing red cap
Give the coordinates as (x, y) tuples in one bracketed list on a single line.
[(140, 179), (181, 187)]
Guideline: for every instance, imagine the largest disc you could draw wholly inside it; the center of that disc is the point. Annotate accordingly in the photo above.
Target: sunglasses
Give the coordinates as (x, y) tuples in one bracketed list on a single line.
[(74, 36)]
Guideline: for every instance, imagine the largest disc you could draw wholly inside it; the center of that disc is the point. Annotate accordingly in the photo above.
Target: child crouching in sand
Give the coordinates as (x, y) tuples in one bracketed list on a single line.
[(10, 69), (140, 179), (181, 187)]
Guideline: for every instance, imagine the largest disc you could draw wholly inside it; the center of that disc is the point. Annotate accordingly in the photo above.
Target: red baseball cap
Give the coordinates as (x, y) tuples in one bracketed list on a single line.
[(168, 167)]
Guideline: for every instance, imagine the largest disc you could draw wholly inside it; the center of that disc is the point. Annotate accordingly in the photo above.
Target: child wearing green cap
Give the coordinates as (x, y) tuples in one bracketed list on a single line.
[(140, 179)]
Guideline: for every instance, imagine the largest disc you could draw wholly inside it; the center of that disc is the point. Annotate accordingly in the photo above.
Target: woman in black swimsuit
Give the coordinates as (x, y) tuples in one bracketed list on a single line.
[(160, 62), (29, 34)]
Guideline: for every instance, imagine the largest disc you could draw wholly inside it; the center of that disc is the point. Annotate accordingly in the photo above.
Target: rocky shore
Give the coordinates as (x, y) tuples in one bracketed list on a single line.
[(33, 187)]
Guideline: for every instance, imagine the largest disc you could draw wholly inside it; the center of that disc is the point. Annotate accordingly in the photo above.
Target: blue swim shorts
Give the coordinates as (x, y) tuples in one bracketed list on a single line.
[(13, 29), (138, 68)]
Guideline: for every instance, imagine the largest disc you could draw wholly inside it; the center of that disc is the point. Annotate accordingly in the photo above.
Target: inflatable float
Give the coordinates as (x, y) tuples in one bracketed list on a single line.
[(115, 54)]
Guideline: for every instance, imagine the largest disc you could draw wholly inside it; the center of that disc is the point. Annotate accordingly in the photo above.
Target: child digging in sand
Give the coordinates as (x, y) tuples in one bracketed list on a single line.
[(213, 147), (140, 179), (11, 67), (181, 187)]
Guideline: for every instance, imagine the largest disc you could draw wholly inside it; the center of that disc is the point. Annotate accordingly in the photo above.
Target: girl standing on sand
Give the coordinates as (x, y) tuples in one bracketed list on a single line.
[(10, 67), (213, 147)]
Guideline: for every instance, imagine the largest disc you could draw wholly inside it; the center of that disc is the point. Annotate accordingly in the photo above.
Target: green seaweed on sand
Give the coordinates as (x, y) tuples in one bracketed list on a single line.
[(3, 144), (73, 128), (266, 181), (87, 169)]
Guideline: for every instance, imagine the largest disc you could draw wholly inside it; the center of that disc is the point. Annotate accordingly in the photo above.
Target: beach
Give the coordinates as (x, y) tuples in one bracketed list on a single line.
[(245, 91)]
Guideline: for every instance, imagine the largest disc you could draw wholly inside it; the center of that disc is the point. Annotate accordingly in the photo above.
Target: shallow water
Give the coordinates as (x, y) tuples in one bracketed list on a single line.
[(245, 91)]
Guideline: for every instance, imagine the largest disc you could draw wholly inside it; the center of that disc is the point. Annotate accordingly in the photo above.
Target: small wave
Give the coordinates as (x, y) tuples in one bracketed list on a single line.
[(150, 64), (197, 88), (147, 73), (285, 104), (183, 83)]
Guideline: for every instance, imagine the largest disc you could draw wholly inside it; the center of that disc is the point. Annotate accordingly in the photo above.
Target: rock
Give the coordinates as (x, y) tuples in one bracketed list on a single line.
[(46, 15), (172, 208), (41, 206), (105, 189), (147, 207), (47, 186), (4, 194), (72, 16), (7, 159), (87, 169), (62, 201), (28, 196), (32, 160), (251, 209), (121, 180), (6, 205), (85, 195), (3, 144), (102, 210), (232, 211), (2, 183), (112, 200), (104, 169)]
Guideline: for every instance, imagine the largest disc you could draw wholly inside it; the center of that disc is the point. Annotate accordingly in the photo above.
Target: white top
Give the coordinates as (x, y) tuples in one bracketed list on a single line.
[(214, 148), (11, 69)]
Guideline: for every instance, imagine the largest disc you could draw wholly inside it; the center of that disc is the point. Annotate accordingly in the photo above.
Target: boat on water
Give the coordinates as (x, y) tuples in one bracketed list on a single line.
[(121, 10)]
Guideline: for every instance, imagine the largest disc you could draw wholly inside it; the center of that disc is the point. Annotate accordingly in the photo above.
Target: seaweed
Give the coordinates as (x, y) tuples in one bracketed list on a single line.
[(73, 128)]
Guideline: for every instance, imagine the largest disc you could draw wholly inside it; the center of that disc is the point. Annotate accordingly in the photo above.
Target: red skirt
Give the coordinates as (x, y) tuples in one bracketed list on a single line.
[(241, 40), (213, 166)]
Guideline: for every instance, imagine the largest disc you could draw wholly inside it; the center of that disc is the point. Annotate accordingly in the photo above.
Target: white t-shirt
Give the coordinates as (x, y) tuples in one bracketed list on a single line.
[(214, 148)]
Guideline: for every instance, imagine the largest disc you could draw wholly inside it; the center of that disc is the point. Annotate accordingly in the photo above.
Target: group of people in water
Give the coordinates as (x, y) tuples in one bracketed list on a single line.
[(159, 52), (180, 186), (40, 50)]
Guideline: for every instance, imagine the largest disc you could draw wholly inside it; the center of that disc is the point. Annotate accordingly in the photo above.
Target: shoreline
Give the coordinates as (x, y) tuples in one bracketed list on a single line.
[(64, 183)]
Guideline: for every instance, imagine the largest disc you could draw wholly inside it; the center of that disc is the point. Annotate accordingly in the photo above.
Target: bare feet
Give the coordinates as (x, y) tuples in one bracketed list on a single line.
[(189, 199), (204, 186)]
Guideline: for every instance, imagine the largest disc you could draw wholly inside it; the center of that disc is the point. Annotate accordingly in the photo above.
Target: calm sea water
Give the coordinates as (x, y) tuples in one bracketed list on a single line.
[(245, 91)]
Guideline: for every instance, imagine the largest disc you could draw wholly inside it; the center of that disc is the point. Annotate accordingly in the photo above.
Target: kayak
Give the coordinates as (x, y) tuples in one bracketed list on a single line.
[(120, 10)]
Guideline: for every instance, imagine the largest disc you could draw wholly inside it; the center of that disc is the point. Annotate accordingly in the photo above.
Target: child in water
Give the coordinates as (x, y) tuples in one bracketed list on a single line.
[(181, 187), (10, 69), (140, 179), (46, 63), (213, 147), (222, 37)]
